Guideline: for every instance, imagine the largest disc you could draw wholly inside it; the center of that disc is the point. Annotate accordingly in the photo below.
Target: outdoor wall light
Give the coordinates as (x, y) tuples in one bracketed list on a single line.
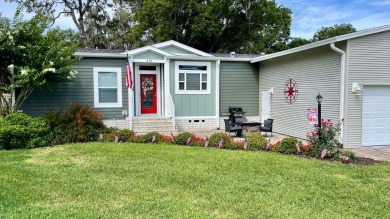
[(356, 89)]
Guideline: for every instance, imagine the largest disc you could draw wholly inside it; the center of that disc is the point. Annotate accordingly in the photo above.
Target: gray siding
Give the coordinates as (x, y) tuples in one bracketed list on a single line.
[(193, 104), (239, 86), (149, 55), (176, 50), (315, 70), (80, 91), (368, 64)]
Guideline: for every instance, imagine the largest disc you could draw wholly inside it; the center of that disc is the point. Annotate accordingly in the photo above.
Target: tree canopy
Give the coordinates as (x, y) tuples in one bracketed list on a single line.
[(31, 56), (245, 26), (335, 30)]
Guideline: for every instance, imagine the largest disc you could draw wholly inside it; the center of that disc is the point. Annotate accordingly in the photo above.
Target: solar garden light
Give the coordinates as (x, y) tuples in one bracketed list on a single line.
[(319, 100)]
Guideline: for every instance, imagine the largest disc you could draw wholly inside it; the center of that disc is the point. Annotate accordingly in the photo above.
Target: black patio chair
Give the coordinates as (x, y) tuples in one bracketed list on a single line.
[(229, 128), (267, 127)]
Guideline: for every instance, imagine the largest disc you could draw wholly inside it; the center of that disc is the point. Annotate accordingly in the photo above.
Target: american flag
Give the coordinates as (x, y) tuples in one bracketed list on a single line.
[(101, 136), (245, 144), (298, 148), (323, 153), (220, 143), (206, 142), (268, 144), (129, 77), (116, 137), (172, 137), (153, 138), (188, 140)]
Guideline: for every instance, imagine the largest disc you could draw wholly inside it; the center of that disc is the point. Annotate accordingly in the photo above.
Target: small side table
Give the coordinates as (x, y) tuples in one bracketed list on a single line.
[(250, 127)]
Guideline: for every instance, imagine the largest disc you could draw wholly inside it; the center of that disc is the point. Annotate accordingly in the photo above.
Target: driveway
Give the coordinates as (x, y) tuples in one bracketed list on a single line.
[(376, 153)]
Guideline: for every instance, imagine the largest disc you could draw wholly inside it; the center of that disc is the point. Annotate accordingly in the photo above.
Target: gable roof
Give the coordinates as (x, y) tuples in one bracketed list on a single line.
[(324, 42), (148, 48), (181, 46)]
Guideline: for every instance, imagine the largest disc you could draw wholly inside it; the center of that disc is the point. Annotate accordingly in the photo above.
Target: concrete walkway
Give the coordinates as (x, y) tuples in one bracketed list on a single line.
[(375, 153)]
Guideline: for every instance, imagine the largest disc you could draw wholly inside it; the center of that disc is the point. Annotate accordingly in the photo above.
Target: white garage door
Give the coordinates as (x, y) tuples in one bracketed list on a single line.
[(376, 116)]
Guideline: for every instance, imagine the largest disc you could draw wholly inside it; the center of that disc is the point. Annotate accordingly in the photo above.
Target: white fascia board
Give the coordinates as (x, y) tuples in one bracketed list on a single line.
[(324, 42), (294, 50), (213, 58), (182, 46), (148, 48), (194, 58), (100, 55), (363, 33)]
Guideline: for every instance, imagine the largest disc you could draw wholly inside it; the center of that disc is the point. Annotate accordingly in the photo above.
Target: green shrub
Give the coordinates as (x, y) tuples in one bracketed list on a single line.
[(182, 138), (216, 137), (287, 145), (348, 153), (20, 131), (149, 136), (256, 142), (77, 124), (125, 135)]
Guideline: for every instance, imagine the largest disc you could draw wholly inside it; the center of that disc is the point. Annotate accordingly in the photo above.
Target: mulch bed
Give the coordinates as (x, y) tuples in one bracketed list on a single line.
[(357, 160)]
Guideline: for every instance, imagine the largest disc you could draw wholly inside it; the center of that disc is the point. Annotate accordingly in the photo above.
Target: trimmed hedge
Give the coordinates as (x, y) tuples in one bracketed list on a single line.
[(20, 131)]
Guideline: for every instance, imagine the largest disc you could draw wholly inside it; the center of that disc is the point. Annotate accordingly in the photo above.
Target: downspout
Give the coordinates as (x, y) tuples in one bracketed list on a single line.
[(342, 89)]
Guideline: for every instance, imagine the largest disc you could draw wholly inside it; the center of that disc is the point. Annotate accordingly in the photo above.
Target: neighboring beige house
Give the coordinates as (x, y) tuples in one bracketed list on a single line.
[(352, 73)]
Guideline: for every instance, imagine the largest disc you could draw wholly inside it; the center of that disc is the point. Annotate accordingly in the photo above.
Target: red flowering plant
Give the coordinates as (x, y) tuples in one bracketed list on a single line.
[(325, 138)]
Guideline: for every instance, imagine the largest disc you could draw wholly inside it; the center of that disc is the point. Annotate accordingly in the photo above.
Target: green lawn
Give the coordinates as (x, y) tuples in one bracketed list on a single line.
[(111, 180)]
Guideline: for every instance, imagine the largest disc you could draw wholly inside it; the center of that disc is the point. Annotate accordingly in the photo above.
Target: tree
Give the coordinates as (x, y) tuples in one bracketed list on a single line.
[(108, 31), (335, 30), (31, 57), (245, 26), (77, 9), (297, 41)]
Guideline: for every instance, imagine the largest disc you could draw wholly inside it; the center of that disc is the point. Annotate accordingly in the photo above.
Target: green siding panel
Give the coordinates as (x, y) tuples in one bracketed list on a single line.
[(149, 55), (193, 104), (239, 86), (80, 90), (176, 50)]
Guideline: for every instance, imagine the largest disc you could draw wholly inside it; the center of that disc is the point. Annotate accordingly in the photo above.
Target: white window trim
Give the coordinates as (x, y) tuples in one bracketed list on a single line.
[(208, 72), (96, 71)]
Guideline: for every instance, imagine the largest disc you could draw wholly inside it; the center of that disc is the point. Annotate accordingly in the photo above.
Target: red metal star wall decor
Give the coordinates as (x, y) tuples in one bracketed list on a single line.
[(291, 91)]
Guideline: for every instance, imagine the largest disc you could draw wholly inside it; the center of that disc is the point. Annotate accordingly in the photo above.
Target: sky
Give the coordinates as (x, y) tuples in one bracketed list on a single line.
[(307, 15)]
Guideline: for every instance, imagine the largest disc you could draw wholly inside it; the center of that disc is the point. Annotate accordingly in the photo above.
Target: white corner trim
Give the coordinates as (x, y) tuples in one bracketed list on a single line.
[(217, 75), (182, 46), (118, 72), (208, 72)]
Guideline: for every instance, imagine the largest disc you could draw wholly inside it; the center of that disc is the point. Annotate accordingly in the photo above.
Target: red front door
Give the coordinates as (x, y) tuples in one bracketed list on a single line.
[(148, 93)]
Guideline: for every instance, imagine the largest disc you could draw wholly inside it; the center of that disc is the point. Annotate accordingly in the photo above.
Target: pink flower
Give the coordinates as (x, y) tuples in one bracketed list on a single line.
[(328, 120), (342, 120), (324, 132), (313, 134)]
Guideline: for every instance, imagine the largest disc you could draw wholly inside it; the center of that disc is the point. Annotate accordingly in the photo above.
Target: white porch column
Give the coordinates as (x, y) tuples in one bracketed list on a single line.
[(167, 85), (217, 70)]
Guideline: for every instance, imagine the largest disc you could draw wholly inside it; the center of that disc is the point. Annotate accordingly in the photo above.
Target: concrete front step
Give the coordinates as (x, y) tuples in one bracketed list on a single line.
[(163, 125)]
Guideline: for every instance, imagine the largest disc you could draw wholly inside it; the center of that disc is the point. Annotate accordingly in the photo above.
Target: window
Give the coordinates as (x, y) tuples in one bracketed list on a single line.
[(107, 87), (192, 77)]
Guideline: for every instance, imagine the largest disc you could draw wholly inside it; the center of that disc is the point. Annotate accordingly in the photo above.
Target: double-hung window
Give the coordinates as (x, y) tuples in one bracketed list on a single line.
[(192, 77), (107, 87)]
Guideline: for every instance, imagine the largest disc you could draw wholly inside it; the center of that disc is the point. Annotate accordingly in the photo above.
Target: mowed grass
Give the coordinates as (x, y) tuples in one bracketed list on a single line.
[(108, 180)]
